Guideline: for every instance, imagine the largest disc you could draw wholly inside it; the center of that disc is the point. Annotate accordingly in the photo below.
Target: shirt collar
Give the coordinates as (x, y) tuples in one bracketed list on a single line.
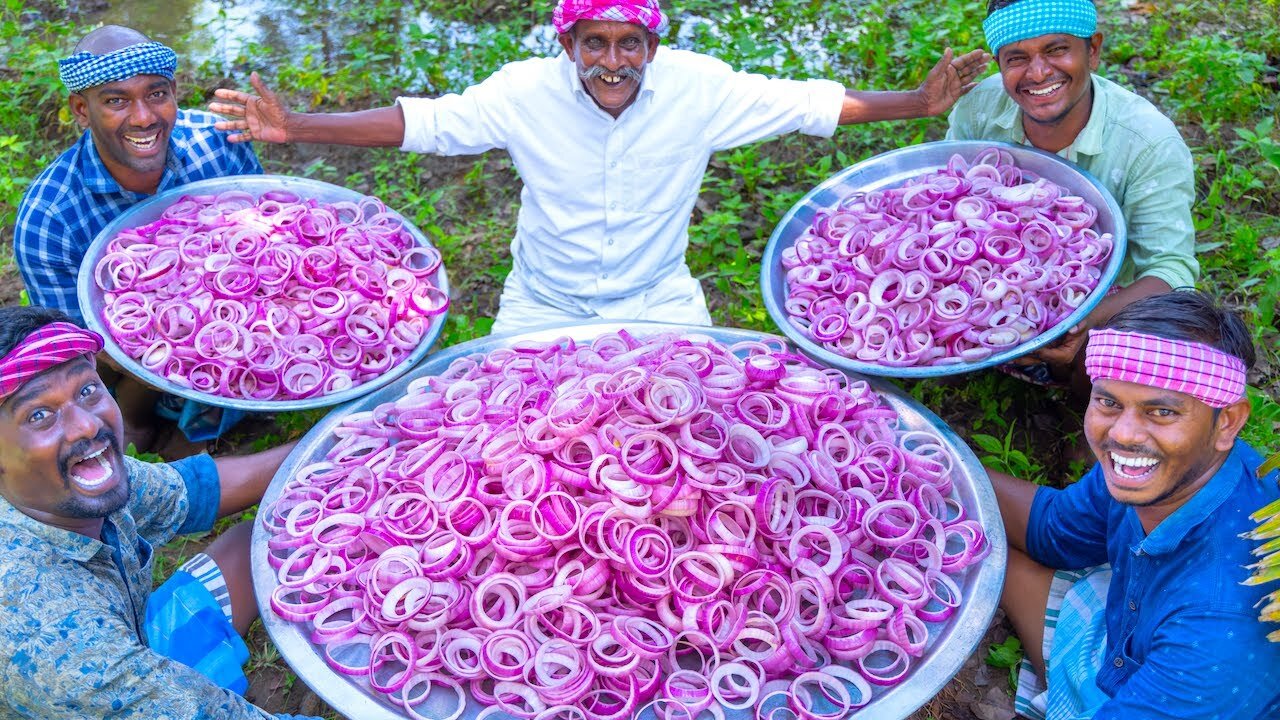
[(98, 179), (1166, 536), (1087, 142), (72, 545)]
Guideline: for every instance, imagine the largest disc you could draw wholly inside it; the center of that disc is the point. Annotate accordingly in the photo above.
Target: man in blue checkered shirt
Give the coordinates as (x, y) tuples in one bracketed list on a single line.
[(138, 143)]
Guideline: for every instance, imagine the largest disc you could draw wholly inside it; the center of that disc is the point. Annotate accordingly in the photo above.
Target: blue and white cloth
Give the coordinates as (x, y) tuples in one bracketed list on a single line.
[(1075, 638), (85, 70), (1032, 18)]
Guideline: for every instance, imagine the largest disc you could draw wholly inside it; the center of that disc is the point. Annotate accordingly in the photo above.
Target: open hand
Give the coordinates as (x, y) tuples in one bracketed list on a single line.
[(256, 117), (951, 78)]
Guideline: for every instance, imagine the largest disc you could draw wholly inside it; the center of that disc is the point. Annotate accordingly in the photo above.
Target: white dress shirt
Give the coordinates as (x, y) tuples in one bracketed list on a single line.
[(604, 213)]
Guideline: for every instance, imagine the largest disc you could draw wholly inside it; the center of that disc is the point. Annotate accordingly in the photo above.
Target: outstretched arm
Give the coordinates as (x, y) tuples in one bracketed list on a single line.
[(245, 478), (264, 118), (949, 79)]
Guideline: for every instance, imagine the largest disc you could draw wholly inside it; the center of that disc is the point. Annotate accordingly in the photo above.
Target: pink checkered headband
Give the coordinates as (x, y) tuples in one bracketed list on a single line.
[(646, 13), (46, 348), (1205, 373)]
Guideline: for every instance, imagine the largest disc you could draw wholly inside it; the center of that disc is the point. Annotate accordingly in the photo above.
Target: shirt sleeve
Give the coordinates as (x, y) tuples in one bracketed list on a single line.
[(751, 107), (174, 498), (1157, 211), (1184, 677), (90, 664), (42, 249), (459, 124), (1067, 529)]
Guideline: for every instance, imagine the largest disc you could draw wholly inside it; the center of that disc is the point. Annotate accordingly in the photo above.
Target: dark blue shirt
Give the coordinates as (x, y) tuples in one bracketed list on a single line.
[(74, 198), (1183, 635)]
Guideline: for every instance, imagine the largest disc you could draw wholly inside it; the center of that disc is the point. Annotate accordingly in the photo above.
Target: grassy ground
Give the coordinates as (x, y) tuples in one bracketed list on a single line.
[(1210, 65)]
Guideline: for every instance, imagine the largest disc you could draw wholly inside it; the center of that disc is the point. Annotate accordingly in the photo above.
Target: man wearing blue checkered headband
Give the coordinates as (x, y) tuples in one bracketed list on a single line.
[(137, 143), (1047, 95)]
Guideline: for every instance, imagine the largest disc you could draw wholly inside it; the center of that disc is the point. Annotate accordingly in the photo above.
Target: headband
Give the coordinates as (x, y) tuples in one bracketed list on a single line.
[(1205, 373), (1033, 18), (85, 70), (644, 12), (43, 349)]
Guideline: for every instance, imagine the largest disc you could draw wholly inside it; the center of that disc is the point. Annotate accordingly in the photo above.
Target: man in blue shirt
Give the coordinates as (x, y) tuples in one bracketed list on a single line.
[(1146, 616), (82, 634), (137, 143)]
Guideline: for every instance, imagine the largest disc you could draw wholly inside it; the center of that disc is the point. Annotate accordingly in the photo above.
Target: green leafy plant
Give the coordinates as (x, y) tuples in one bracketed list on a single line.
[(1007, 654)]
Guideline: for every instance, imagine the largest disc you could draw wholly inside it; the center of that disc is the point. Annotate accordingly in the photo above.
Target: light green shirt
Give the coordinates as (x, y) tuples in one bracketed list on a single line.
[(1133, 150)]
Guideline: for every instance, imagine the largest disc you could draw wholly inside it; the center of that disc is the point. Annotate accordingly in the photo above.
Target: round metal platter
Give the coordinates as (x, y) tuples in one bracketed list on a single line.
[(91, 296), (950, 643), (892, 170)]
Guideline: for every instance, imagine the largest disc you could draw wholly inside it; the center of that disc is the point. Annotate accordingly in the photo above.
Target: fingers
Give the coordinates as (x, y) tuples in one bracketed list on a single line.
[(227, 109), (261, 87)]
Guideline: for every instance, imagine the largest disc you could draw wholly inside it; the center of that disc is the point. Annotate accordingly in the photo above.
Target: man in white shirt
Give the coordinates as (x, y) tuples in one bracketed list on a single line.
[(611, 138)]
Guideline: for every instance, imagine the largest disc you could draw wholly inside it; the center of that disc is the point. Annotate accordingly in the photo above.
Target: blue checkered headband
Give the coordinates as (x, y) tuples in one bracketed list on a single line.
[(85, 70), (1032, 18)]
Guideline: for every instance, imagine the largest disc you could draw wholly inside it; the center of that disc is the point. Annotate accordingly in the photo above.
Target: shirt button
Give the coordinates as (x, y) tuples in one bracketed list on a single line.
[(613, 164), (605, 276), (1118, 662), (1133, 605), (613, 206), (610, 241)]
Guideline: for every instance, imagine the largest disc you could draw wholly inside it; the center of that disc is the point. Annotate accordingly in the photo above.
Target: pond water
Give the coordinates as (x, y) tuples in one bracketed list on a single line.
[(233, 36)]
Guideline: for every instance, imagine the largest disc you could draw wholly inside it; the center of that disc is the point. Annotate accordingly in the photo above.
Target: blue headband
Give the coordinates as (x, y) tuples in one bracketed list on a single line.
[(1033, 18), (85, 70)]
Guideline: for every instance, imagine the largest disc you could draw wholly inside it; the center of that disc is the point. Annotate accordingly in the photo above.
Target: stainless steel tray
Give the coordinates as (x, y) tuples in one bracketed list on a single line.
[(891, 170), (949, 647), (91, 297)]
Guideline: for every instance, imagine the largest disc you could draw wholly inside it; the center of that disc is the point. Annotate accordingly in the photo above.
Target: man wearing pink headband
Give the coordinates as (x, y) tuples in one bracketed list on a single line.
[(611, 139), (1125, 587), (82, 634), (1048, 96)]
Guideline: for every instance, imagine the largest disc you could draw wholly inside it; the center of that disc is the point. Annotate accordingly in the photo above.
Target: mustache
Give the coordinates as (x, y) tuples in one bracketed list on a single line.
[(81, 447), (595, 71), (1129, 450)]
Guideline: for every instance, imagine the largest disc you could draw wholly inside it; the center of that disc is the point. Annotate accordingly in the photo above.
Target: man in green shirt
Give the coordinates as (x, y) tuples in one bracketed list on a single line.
[(1048, 96)]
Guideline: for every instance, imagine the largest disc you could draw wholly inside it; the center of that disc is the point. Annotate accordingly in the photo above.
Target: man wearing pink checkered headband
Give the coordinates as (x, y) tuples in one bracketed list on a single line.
[(611, 138), (1125, 587)]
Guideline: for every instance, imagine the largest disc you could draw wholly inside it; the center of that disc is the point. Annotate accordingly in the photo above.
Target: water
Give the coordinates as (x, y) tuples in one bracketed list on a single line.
[(231, 37)]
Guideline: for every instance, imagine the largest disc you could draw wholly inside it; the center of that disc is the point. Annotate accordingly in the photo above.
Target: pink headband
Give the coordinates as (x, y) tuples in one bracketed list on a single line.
[(1205, 373), (45, 348), (645, 12)]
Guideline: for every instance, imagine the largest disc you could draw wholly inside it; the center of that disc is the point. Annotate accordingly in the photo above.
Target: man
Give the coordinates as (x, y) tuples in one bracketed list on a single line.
[(1047, 96), (611, 139), (137, 143), (1154, 528), (82, 635)]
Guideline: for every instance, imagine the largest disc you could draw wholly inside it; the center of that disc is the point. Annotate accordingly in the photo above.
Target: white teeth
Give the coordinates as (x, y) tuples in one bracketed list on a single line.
[(91, 484), (1045, 91), (90, 456), (1133, 462), (143, 143)]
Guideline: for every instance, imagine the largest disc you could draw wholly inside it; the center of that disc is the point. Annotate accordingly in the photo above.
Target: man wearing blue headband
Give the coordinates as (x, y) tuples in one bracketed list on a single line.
[(137, 143), (1047, 96)]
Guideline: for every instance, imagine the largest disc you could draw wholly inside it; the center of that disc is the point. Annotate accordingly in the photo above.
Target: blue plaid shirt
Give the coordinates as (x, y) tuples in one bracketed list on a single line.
[(75, 197), (1183, 636)]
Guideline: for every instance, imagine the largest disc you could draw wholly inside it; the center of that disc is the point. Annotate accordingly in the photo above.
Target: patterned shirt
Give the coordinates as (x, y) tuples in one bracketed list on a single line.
[(76, 197), (605, 207), (1183, 636), (71, 637), (1133, 150)]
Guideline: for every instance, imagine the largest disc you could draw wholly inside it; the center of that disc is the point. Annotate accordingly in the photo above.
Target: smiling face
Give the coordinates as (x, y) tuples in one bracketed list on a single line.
[(1157, 447), (1049, 77), (610, 58), (130, 121), (61, 461)]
